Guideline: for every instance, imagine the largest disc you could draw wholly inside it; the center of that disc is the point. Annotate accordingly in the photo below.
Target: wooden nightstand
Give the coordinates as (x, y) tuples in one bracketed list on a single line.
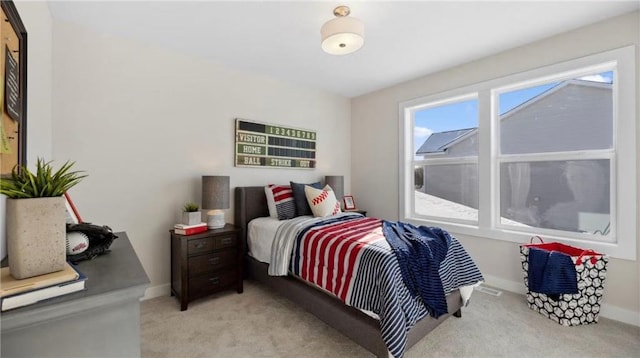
[(363, 212), (205, 263)]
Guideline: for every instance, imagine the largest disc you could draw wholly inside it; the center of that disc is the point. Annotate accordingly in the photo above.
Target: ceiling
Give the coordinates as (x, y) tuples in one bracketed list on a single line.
[(403, 39)]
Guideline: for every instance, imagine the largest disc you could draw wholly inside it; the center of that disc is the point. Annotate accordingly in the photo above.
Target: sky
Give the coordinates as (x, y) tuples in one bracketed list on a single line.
[(465, 114)]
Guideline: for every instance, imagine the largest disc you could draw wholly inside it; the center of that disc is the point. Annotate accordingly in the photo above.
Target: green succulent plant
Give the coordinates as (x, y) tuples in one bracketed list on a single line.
[(43, 183), (191, 207)]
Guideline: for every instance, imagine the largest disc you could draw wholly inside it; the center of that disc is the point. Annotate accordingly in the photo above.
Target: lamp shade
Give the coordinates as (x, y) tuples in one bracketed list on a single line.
[(336, 182), (342, 35), (215, 192)]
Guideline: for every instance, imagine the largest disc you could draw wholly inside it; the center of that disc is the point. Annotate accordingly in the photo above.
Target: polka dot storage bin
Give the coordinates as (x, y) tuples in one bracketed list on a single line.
[(570, 309)]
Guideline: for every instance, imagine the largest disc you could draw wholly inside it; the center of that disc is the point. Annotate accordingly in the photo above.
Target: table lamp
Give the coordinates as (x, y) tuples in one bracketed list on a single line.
[(215, 198)]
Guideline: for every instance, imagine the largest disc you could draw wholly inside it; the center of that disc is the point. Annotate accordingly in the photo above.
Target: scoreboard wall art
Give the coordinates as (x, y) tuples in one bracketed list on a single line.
[(273, 146)]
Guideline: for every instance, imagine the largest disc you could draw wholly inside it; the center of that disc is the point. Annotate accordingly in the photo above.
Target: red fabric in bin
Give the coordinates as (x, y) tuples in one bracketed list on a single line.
[(566, 249), (556, 246)]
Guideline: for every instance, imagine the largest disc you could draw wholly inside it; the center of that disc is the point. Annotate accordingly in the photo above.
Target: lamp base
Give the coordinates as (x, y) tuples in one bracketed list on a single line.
[(215, 219)]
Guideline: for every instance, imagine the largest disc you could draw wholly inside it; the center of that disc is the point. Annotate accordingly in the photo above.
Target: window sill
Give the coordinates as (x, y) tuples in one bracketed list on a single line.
[(614, 250)]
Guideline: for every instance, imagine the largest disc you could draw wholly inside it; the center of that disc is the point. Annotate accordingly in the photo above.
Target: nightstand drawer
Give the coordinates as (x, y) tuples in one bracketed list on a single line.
[(203, 285), (200, 245), (226, 241), (204, 263)]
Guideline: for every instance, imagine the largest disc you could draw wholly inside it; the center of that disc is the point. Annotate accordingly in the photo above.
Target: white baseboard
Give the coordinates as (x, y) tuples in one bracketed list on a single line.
[(620, 314), (511, 286), (156, 291), (606, 310)]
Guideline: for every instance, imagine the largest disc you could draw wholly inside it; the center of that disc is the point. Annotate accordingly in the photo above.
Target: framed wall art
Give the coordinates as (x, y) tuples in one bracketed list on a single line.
[(13, 99), (274, 146)]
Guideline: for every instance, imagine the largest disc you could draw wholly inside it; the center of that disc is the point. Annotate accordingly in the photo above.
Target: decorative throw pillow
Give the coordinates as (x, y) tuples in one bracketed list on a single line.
[(323, 202), (271, 203), (300, 198), (280, 201)]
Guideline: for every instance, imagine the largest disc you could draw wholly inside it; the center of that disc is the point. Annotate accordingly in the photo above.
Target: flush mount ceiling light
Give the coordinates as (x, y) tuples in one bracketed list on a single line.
[(342, 35)]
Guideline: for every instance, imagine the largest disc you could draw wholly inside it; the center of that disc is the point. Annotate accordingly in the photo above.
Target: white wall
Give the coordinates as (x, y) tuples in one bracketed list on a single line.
[(377, 115), (146, 124), (37, 20)]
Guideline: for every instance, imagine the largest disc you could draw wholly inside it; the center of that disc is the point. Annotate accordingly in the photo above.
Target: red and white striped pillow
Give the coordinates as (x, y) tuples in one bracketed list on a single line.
[(323, 202), (280, 201)]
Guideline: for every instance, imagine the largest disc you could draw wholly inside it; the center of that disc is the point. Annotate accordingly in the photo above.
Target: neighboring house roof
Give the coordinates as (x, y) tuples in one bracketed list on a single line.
[(439, 142)]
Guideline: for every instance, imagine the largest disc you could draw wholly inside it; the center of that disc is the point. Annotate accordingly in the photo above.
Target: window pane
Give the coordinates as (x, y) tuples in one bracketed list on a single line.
[(562, 195), (448, 191), (448, 130), (576, 114)]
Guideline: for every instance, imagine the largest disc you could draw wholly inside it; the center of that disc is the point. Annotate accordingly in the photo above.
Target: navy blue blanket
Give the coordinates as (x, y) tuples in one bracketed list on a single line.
[(419, 251), (551, 272)]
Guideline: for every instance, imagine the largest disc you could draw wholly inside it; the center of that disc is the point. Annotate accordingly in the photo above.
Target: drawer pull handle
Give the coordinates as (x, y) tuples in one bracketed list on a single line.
[(199, 245), (214, 280), (214, 260), (227, 241)]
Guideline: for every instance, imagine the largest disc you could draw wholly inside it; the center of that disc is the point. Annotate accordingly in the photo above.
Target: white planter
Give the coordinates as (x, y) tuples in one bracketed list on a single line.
[(36, 236), (191, 218)]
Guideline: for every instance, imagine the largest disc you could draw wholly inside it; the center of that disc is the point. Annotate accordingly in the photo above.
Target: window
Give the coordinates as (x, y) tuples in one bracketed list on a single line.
[(545, 152), (556, 147), (446, 160)]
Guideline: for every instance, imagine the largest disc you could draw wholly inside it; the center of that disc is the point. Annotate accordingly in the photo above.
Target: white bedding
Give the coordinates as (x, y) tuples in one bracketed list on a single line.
[(260, 235)]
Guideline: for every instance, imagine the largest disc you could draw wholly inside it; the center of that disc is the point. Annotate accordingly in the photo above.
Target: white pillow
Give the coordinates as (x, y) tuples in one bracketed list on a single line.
[(323, 202)]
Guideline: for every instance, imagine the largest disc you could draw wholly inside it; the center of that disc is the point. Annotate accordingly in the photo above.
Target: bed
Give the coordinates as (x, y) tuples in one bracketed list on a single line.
[(359, 326)]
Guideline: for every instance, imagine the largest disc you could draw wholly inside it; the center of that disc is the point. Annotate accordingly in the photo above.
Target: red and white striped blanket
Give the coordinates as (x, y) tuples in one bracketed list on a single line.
[(328, 254), (348, 255)]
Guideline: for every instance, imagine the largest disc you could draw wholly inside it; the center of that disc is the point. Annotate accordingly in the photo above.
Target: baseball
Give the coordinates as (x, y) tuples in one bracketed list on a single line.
[(77, 243)]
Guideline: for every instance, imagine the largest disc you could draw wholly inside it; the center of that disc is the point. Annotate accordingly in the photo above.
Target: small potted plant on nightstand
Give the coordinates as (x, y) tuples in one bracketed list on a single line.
[(36, 231), (191, 215)]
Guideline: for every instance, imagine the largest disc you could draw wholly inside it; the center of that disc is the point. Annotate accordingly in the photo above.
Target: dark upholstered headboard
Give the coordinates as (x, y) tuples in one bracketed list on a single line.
[(250, 203)]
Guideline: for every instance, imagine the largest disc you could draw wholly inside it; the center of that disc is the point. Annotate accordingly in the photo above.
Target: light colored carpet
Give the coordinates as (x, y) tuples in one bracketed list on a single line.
[(260, 323)]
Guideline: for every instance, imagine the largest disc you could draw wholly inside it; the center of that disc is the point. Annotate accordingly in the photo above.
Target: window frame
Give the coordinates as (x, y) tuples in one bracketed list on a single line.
[(623, 156)]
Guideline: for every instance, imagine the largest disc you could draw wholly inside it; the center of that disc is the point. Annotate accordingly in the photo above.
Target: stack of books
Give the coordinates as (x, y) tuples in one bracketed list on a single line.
[(17, 293), (189, 229)]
